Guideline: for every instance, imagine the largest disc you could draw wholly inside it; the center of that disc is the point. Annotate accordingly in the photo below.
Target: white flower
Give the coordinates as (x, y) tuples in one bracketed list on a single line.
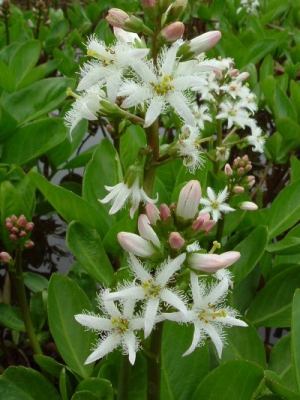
[(189, 147), (215, 203), (256, 139), (201, 115), (236, 89), (85, 106), (166, 85), (210, 89), (116, 330), (110, 66), (235, 114), (120, 193), (152, 289), (208, 315), (250, 6)]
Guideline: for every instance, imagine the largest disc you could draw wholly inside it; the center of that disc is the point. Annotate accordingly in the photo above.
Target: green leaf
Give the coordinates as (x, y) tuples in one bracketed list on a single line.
[(7, 124), (103, 169), (280, 361), (284, 211), (37, 99), (283, 105), (26, 384), (245, 344), (85, 395), (35, 282), (33, 140), (49, 365), (295, 332), (258, 239), (234, 380), (130, 143), (295, 96), (70, 206), (267, 68), (275, 384), (11, 317), (259, 50), (7, 79), (87, 246), (101, 388), (176, 340), (66, 299), (29, 53), (286, 246), (275, 313), (295, 169)]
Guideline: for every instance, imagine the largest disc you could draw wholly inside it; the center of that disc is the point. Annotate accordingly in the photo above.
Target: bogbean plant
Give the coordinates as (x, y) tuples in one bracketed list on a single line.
[(170, 243)]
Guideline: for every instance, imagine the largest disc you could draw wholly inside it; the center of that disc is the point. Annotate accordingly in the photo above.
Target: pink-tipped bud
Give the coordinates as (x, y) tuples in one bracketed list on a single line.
[(13, 237), (165, 212), (176, 240), (14, 229), (243, 76), (28, 244), (29, 226), (148, 3), (211, 263), (228, 169), (13, 219), (246, 158), (146, 231), (9, 226), (189, 199), (116, 17), (238, 189), (248, 205), (22, 221), (152, 213), (204, 223), (248, 167), (233, 72), (135, 244), (172, 32), (241, 171), (22, 234), (5, 257), (205, 42)]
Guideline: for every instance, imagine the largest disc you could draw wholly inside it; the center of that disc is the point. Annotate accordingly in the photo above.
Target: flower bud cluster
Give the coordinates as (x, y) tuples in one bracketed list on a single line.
[(237, 181), (20, 230), (5, 10)]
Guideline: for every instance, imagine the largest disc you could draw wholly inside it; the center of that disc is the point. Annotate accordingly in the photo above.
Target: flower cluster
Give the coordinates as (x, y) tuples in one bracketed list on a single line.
[(250, 6), (20, 230), (163, 258)]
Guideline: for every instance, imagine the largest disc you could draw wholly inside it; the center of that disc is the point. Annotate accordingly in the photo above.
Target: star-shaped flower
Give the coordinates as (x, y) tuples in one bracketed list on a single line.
[(116, 329), (256, 139), (166, 85), (215, 204), (152, 290)]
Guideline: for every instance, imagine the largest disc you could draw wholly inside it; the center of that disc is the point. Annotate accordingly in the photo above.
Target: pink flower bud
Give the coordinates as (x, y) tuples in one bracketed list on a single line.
[(165, 212), (176, 240), (14, 229), (241, 171), (13, 237), (228, 169), (13, 219), (204, 223), (238, 189), (22, 221), (152, 213), (135, 244), (148, 3), (29, 226), (146, 231), (246, 158), (248, 167), (117, 17), (243, 76), (172, 32), (248, 205), (28, 244), (189, 199), (9, 226), (5, 257), (204, 42), (22, 234), (211, 263), (233, 72)]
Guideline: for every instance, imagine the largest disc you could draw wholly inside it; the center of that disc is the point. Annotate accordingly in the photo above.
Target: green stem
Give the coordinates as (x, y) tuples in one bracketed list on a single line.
[(154, 364), (218, 144), (150, 170), (18, 282), (123, 384), (220, 229)]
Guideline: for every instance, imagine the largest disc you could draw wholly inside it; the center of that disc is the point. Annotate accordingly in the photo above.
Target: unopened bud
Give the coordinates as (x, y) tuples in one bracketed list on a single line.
[(199, 44), (28, 244), (175, 10), (248, 205), (243, 76), (189, 199), (176, 240), (172, 32), (165, 212), (22, 221), (241, 171), (152, 213), (29, 226), (228, 169), (238, 189), (233, 72), (13, 237), (5, 257), (116, 17)]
